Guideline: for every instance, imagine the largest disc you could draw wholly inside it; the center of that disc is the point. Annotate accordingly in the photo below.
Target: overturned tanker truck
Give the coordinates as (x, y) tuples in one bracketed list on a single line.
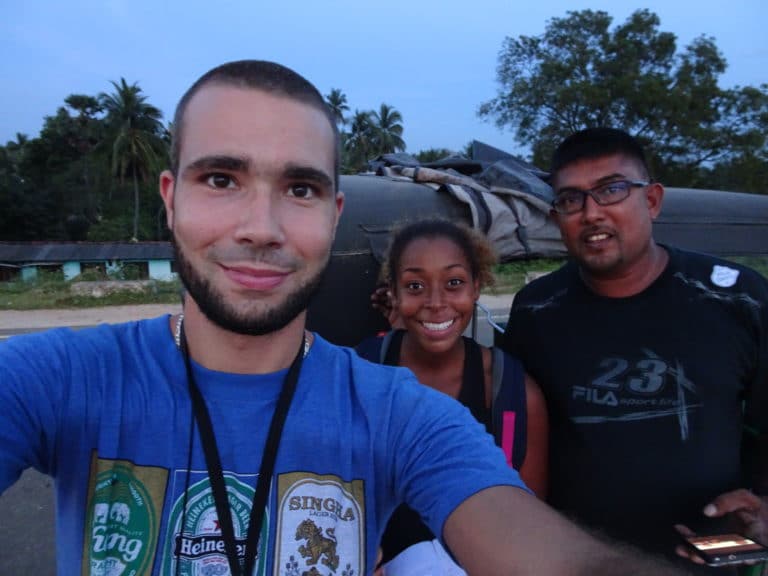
[(508, 200)]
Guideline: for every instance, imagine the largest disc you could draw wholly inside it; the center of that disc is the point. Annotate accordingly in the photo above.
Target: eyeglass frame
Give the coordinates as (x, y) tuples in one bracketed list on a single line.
[(593, 193)]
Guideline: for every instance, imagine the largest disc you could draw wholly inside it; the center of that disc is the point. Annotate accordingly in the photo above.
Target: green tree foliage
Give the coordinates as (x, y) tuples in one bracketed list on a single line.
[(70, 181), (135, 131), (26, 212), (337, 102), (359, 142), (581, 72), (372, 133), (387, 130), (433, 154)]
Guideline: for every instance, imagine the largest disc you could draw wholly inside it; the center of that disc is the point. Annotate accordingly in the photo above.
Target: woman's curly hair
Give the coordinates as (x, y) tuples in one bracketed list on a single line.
[(475, 246)]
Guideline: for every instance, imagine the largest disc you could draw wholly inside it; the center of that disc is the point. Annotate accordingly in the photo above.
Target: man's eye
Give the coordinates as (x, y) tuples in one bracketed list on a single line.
[(302, 191), (613, 188), (220, 181), (571, 198)]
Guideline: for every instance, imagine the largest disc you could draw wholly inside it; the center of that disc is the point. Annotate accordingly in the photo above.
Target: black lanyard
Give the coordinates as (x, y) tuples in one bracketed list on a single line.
[(213, 462)]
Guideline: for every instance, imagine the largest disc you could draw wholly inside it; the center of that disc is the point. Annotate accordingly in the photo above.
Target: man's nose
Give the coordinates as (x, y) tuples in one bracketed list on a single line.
[(591, 209), (259, 220)]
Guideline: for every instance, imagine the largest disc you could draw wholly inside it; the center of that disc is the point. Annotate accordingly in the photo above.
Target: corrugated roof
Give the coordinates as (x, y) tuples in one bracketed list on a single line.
[(54, 252)]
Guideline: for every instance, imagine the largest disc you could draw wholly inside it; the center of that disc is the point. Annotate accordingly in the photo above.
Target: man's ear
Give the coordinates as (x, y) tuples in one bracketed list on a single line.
[(339, 205), (654, 196), (167, 190)]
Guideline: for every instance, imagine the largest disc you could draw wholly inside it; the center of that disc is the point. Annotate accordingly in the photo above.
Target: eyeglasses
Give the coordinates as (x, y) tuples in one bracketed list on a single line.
[(571, 200)]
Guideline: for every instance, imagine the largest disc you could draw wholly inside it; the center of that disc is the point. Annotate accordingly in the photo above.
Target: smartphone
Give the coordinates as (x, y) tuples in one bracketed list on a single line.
[(725, 549)]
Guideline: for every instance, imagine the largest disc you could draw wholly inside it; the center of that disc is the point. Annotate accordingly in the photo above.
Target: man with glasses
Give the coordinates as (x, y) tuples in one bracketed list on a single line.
[(653, 360)]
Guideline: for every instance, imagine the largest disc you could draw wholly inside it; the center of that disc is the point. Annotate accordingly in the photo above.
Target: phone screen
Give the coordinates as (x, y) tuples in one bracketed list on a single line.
[(720, 549)]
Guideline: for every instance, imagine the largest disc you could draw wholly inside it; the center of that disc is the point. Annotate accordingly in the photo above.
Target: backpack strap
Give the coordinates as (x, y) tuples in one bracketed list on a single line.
[(508, 407), (390, 348), (472, 393)]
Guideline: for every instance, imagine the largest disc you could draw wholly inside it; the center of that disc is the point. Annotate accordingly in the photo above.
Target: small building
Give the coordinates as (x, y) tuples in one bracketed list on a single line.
[(153, 260)]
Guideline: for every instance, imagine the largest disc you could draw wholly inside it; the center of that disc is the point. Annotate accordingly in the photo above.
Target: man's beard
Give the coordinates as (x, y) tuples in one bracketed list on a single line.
[(212, 303)]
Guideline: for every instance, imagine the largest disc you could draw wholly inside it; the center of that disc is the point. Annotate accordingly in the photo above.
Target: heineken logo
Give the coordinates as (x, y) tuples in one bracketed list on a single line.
[(194, 544), (199, 546), (122, 526)]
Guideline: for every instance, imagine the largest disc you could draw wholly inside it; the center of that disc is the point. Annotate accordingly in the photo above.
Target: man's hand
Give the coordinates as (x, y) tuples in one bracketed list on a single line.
[(747, 512)]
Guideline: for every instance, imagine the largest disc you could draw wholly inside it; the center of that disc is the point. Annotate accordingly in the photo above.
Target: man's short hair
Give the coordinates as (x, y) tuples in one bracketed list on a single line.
[(261, 75), (593, 143)]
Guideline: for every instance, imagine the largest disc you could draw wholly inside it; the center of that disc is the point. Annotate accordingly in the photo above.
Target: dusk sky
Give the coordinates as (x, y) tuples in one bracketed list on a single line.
[(433, 61)]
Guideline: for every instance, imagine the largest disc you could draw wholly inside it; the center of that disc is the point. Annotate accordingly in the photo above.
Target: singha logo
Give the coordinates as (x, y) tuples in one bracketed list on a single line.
[(317, 545)]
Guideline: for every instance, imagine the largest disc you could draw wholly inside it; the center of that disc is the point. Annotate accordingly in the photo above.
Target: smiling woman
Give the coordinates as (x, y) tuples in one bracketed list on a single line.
[(435, 270)]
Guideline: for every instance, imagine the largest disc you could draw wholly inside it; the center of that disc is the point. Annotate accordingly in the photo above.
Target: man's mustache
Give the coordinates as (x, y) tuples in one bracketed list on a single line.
[(254, 255)]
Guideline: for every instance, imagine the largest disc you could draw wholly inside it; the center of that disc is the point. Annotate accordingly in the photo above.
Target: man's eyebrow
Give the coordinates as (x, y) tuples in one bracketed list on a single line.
[(610, 177), (602, 180), (222, 162), (299, 172)]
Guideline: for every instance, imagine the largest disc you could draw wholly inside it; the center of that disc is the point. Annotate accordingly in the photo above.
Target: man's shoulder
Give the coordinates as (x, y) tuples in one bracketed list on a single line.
[(95, 340), (717, 273), (370, 348), (550, 285)]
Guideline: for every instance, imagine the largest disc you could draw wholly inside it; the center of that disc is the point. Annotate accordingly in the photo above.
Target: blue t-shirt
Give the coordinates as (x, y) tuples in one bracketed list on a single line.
[(106, 412)]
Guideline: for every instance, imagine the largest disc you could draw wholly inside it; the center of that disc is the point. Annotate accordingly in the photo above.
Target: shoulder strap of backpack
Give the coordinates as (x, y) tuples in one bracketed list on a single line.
[(390, 348), (508, 407)]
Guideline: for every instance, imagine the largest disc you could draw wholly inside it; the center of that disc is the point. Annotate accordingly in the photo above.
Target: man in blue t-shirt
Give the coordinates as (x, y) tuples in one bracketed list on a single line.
[(231, 440)]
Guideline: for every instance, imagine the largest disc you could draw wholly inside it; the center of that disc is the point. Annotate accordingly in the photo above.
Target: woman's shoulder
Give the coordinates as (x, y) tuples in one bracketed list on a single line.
[(370, 348), (499, 355)]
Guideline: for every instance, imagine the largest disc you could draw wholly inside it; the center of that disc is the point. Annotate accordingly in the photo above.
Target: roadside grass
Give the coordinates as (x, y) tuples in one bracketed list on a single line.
[(50, 290), (759, 263), (511, 276)]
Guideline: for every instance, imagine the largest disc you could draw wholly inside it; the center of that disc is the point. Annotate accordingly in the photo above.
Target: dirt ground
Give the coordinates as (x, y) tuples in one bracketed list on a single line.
[(12, 321), (25, 320)]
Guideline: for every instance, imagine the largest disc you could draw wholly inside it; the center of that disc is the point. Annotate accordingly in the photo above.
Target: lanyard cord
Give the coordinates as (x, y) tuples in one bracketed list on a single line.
[(213, 461)]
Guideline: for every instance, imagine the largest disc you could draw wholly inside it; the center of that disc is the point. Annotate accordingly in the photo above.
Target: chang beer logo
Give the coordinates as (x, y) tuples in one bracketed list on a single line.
[(194, 545), (123, 518)]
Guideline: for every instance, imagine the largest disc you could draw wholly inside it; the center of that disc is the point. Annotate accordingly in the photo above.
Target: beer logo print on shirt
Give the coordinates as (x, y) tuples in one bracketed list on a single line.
[(643, 388), (320, 526), (123, 516), (197, 545)]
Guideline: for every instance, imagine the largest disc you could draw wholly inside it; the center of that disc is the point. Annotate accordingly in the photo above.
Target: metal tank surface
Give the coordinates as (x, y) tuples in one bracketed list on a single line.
[(720, 223)]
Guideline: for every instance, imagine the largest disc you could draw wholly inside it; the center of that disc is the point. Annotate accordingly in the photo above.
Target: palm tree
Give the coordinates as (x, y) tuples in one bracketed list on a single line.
[(337, 102), (388, 129), (359, 144), (135, 133)]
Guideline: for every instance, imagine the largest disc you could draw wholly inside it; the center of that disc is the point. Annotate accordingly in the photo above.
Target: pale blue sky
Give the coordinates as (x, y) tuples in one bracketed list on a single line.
[(435, 61)]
